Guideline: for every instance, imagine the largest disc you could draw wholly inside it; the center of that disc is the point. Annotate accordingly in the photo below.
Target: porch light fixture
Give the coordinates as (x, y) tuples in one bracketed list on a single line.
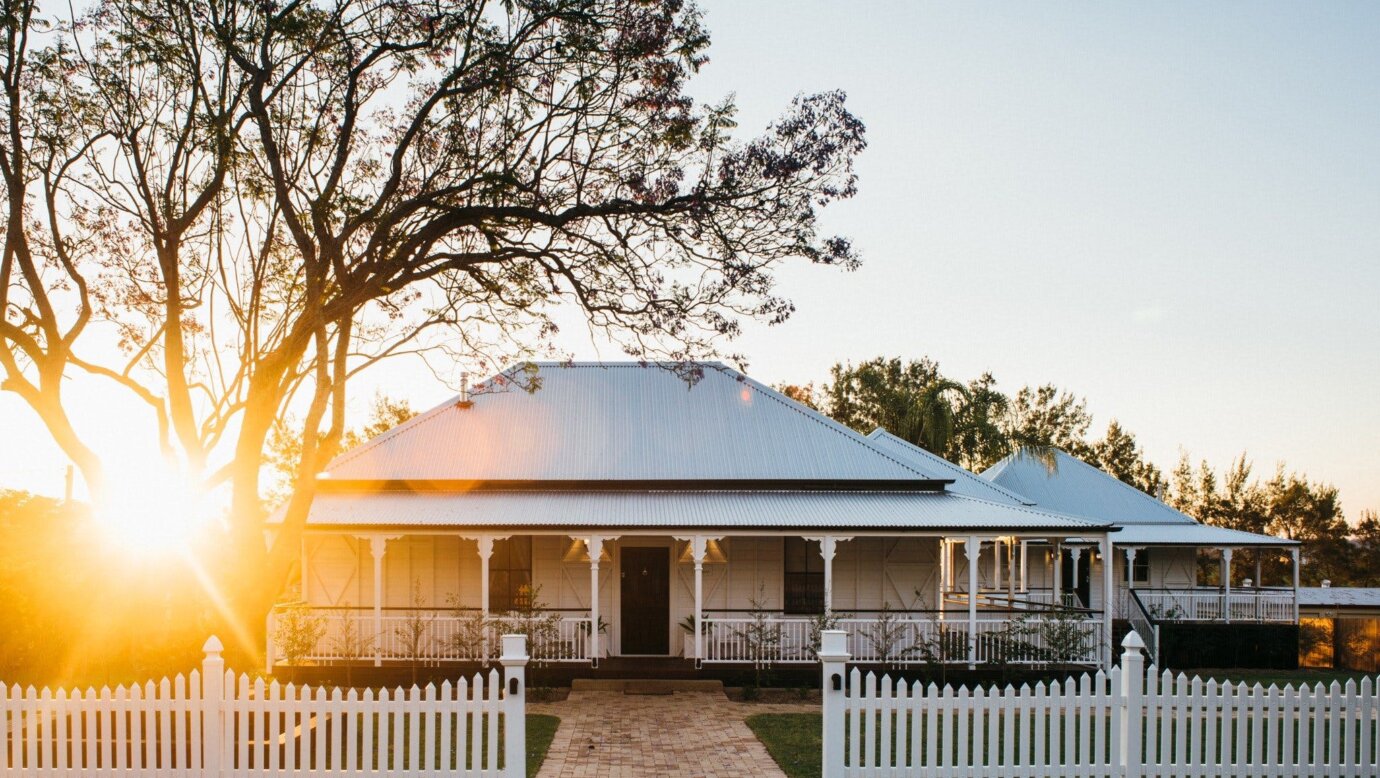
[(713, 554), (577, 552)]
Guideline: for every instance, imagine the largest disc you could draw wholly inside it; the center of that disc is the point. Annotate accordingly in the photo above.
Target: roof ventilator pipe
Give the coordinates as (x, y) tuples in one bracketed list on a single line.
[(464, 401)]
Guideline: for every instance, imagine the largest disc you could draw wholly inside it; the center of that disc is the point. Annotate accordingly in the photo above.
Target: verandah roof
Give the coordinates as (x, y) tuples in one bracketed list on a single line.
[(775, 510)]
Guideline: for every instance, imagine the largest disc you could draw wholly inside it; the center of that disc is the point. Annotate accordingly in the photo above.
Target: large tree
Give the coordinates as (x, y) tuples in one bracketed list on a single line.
[(260, 200)]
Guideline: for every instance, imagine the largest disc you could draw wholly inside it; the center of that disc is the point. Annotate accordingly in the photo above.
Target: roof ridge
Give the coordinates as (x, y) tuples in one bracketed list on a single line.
[(819, 418), (953, 466), (1035, 509), (1154, 500)]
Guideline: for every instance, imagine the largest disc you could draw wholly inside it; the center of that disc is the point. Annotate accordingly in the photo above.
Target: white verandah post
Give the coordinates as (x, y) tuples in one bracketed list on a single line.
[(972, 548), (1108, 597), (1076, 556), (943, 576), (1294, 555), (378, 547), (1025, 559), (828, 545), (1226, 585), (699, 549), (1058, 582), (595, 546)]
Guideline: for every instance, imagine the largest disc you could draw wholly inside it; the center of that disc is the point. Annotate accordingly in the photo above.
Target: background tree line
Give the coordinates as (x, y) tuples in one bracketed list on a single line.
[(975, 424)]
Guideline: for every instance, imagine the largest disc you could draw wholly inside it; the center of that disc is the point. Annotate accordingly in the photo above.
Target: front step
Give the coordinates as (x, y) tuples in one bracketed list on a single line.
[(646, 685)]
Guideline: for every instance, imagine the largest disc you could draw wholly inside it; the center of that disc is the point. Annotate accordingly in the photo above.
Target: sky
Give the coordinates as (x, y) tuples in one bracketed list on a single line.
[(1172, 209)]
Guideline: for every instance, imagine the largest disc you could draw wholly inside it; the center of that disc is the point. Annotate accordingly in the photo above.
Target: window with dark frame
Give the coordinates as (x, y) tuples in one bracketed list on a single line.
[(1140, 569), (510, 574), (804, 576)]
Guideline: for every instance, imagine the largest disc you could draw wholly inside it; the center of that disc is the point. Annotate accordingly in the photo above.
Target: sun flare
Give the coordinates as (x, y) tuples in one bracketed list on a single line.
[(155, 511)]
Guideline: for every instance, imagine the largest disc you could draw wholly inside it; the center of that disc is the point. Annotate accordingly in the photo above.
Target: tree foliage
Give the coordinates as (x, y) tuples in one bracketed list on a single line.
[(258, 201)]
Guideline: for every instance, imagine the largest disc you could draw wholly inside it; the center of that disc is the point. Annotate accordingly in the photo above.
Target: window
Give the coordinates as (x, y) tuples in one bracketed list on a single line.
[(804, 574), (510, 574), (1140, 569)]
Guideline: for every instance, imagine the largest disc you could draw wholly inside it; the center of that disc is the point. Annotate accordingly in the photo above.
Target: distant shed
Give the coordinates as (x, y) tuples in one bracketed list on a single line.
[(1340, 627)]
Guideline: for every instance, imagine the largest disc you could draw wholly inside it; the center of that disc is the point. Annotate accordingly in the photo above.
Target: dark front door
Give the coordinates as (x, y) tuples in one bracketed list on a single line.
[(645, 618), (1082, 585)]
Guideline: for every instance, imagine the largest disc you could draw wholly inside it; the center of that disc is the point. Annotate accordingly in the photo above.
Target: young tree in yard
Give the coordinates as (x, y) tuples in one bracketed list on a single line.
[(299, 630), (258, 201)]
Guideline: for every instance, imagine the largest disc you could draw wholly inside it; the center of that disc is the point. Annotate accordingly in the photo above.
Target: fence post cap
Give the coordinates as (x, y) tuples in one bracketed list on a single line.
[(213, 647), (833, 645), (1132, 641), (514, 649)]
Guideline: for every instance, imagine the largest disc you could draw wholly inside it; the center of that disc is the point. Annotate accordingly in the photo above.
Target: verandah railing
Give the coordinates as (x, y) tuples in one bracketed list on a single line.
[(430, 635), (1211, 604), (896, 638)]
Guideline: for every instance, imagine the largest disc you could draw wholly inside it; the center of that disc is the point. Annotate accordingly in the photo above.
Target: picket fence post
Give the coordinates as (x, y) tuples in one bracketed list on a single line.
[(212, 707), (833, 656), (1131, 704), (514, 661)]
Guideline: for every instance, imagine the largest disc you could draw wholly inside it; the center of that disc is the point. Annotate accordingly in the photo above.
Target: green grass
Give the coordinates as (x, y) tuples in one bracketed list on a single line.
[(541, 730), (794, 740)]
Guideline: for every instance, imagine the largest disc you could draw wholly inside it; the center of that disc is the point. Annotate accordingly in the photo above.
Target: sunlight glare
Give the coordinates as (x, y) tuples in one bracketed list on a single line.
[(155, 511)]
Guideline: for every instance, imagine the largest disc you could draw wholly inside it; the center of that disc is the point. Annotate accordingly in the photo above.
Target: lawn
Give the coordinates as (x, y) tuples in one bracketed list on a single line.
[(541, 730), (794, 740)]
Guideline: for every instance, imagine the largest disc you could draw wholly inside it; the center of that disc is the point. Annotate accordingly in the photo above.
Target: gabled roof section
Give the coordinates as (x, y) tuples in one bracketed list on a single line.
[(965, 482), (624, 421), (1076, 488)]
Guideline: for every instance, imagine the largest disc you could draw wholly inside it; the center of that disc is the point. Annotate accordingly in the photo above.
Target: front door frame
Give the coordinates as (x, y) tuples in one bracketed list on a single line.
[(668, 546)]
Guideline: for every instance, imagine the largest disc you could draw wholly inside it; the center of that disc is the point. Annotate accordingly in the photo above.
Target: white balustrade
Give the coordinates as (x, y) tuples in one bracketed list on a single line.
[(1204, 604), (902, 639), (429, 637)]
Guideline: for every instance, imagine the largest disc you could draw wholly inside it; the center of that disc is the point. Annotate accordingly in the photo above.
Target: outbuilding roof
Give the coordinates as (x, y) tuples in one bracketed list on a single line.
[(1339, 597), (624, 421)]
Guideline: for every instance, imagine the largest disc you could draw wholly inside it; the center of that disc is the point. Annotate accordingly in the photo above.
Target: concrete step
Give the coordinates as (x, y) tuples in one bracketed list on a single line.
[(646, 685)]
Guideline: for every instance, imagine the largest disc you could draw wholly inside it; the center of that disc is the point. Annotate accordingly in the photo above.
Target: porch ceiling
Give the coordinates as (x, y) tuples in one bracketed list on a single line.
[(699, 509)]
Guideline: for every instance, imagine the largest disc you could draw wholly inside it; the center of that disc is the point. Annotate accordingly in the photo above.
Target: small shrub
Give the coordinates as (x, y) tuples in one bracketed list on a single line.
[(297, 631)]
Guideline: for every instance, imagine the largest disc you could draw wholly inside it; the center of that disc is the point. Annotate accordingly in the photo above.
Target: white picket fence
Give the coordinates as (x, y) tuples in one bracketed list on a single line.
[(212, 723), (1122, 724)]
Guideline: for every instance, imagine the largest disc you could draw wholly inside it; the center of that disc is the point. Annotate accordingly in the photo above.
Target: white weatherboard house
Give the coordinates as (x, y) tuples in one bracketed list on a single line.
[(714, 519)]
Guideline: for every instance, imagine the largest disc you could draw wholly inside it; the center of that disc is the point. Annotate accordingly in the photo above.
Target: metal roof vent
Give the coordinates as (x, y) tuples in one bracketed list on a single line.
[(464, 401)]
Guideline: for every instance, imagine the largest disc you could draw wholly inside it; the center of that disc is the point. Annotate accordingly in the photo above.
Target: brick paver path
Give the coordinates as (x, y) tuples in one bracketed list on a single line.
[(613, 735)]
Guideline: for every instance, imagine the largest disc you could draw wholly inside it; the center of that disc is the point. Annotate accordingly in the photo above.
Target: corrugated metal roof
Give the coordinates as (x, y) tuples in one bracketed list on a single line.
[(724, 510), (1077, 488), (965, 482), (611, 421), (1339, 597), (1194, 534)]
